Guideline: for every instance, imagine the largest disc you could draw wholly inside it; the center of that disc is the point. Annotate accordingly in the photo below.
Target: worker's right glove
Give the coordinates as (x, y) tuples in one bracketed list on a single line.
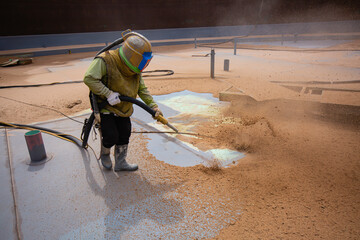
[(113, 98)]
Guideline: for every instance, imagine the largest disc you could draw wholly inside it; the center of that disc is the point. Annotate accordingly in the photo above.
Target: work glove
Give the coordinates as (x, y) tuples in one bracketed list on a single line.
[(113, 98), (157, 112)]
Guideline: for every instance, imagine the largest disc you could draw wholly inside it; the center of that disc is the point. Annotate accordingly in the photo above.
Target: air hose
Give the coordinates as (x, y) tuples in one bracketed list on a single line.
[(89, 122), (148, 74), (149, 110), (113, 44), (139, 103), (60, 135), (125, 34)]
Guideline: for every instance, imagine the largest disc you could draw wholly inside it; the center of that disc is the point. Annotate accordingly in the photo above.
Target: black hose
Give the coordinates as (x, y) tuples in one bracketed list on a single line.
[(88, 124), (165, 73), (139, 103), (45, 130), (71, 138), (92, 117), (113, 44), (41, 85)]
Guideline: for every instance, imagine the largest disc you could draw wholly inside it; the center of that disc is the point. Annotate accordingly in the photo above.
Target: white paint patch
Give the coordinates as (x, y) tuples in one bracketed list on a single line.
[(185, 110)]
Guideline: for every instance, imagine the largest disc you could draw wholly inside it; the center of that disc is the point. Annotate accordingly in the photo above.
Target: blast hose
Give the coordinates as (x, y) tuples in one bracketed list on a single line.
[(149, 110), (60, 135), (113, 44), (89, 122)]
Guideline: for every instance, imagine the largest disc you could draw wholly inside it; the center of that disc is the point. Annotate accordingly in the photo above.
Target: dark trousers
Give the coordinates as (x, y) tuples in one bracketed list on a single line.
[(115, 130)]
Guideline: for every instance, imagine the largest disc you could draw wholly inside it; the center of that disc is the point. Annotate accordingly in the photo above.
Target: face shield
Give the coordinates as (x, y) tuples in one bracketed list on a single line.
[(147, 56), (144, 62)]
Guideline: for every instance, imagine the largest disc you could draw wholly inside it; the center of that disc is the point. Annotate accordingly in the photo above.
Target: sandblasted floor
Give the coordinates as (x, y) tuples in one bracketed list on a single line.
[(71, 197)]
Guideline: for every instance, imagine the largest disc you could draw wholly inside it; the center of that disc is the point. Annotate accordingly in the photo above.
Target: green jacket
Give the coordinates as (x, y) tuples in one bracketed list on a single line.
[(107, 73)]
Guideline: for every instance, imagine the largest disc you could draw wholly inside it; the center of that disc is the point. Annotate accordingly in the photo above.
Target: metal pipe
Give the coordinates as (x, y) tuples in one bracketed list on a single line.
[(212, 65), (226, 64), (235, 42)]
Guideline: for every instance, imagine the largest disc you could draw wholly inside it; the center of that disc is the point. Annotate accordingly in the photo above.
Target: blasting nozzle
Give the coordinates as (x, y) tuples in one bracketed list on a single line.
[(172, 127), (166, 122)]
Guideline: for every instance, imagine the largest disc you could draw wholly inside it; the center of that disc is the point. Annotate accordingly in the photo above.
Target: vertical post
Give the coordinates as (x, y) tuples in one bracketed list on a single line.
[(226, 64), (195, 43), (212, 70), (235, 41)]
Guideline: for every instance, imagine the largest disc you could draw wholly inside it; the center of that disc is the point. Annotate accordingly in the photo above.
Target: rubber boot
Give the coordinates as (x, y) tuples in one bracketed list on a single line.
[(120, 159), (105, 157)]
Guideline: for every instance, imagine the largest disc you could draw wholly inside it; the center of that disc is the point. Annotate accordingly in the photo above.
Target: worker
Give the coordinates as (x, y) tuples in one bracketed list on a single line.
[(111, 74)]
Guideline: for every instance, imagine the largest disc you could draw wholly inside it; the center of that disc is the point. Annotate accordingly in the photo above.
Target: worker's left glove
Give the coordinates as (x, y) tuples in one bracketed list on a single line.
[(157, 112)]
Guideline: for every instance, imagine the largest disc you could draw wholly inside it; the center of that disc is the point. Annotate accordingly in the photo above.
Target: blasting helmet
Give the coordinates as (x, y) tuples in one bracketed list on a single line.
[(136, 52)]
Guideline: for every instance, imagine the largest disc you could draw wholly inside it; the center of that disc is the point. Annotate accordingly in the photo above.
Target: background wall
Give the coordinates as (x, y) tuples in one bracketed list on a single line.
[(28, 17)]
